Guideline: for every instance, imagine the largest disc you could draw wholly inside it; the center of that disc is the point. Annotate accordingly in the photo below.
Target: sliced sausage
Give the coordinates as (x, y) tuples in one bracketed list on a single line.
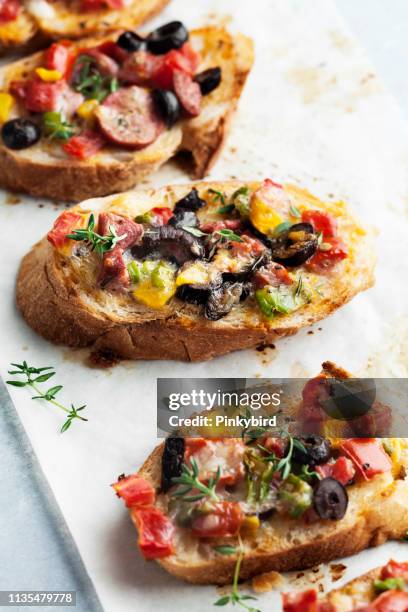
[(188, 92), (105, 64), (128, 118)]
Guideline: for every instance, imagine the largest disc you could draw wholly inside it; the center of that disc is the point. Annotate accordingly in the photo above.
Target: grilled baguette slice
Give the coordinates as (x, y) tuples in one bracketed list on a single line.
[(60, 299), (41, 21), (45, 170), (377, 512)]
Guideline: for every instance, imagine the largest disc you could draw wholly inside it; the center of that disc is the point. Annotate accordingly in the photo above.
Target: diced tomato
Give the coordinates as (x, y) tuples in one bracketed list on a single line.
[(96, 5), (60, 56), (42, 96), (214, 226), (64, 224), (391, 601), (9, 10), (135, 491), (192, 445), (275, 445), (123, 226), (342, 470), (184, 59), (224, 521), (113, 50), (273, 275), (325, 260), (84, 145), (368, 456), (395, 569), (155, 532), (18, 89), (300, 602), (321, 221), (162, 215), (248, 246)]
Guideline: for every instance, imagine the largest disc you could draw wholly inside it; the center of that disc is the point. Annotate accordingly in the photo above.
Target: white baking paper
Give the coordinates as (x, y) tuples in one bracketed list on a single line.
[(313, 112)]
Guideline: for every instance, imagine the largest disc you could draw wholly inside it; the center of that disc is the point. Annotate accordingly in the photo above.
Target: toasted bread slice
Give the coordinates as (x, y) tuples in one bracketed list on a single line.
[(45, 170), (59, 295), (377, 511), (41, 20)]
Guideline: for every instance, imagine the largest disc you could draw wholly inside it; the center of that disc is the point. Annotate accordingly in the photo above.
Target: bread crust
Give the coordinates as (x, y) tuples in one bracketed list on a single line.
[(59, 309), (43, 170)]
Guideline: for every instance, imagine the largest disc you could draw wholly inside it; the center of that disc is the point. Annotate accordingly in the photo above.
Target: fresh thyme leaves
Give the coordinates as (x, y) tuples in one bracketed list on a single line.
[(56, 127), (34, 376), (190, 481), (226, 550), (218, 196), (99, 244), (228, 234), (235, 597), (194, 231), (282, 227), (225, 210), (294, 211), (90, 82), (307, 474)]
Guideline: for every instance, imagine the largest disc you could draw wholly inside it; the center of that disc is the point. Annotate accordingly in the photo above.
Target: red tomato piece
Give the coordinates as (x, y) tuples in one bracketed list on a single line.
[(42, 96), (59, 56), (188, 92), (391, 601), (323, 261), (248, 246), (300, 602), (9, 10), (135, 491), (321, 221), (273, 274), (162, 215), (192, 445), (191, 58), (185, 60), (342, 470), (275, 445), (368, 456), (84, 145), (155, 532), (395, 569), (224, 520), (64, 224), (97, 5)]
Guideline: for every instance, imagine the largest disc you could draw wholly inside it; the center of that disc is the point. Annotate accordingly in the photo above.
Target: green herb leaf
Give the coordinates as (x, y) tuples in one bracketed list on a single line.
[(241, 199), (190, 479), (294, 211), (218, 196), (226, 550), (56, 127), (194, 231), (223, 601), (90, 82), (44, 377), (390, 584), (282, 227), (99, 244), (16, 383), (226, 210), (228, 235)]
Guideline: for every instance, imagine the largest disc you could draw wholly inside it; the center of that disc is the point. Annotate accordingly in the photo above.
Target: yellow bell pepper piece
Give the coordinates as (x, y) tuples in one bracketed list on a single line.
[(194, 274), (263, 216), (250, 526), (6, 103), (87, 111), (48, 75), (154, 297)]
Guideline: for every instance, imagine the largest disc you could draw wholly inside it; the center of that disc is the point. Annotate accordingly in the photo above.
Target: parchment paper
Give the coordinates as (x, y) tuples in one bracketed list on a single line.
[(314, 113)]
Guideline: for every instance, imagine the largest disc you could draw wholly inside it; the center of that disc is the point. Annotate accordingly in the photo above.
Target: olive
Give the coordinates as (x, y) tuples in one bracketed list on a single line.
[(295, 245), (20, 134), (222, 299), (172, 460), (167, 105), (168, 242), (184, 218), (191, 201), (330, 499), (317, 450), (170, 36), (208, 80), (130, 41)]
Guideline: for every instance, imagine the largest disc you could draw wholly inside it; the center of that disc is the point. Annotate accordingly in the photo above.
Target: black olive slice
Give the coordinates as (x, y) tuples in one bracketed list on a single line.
[(208, 80), (294, 246), (317, 450), (167, 242), (167, 105), (222, 299), (172, 460), (330, 499), (191, 201), (172, 35), (130, 41), (20, 134), (184, 218)]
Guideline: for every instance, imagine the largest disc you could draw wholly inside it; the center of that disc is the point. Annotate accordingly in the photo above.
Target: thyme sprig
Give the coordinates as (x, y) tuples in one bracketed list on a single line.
[(227, 234), (218, 196), (90, 82), (190, 480), (235, 597), (34, 376), (99, 244)]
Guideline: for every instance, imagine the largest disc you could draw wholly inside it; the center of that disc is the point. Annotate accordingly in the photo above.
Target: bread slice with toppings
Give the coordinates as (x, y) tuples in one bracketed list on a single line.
[(290, 525), (34, 22), (80, 148), (221, 289), (381, 589)]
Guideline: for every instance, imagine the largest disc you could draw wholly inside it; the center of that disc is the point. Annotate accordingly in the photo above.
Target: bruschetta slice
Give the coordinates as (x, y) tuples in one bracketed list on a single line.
[(95, 117), (26, 24), (190, 272), (206, 509), (384, 589)]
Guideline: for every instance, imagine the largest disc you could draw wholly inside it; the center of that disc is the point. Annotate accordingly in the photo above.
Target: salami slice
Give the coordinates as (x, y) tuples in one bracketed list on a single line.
[(128, 118), (188, 92)]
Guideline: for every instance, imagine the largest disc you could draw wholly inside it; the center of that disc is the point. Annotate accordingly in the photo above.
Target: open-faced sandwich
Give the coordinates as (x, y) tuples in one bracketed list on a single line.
[(26, 24), (190, 273), (94, 117), (384, 589), (205, 507)]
